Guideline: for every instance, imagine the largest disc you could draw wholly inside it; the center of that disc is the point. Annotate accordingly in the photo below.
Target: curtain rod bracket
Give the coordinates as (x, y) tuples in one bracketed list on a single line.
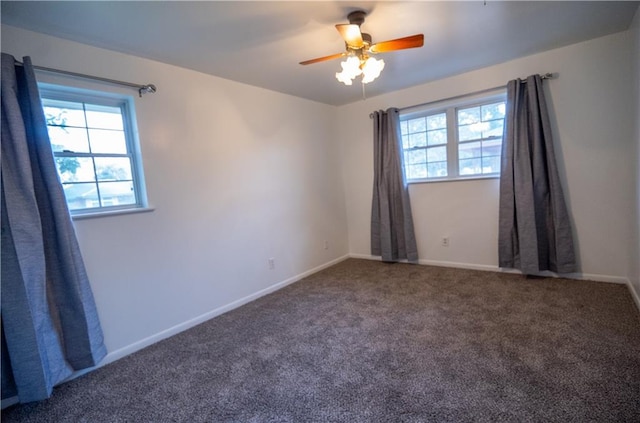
[(149, 88)]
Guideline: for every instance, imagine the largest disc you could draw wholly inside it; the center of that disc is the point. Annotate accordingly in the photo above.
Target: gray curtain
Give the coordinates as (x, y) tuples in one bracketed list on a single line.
[(50, 324), (534, 227), (392, 235)]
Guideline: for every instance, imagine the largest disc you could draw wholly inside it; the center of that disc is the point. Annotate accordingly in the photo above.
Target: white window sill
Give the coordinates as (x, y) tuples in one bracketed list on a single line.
[(458, 179), (109, 213)]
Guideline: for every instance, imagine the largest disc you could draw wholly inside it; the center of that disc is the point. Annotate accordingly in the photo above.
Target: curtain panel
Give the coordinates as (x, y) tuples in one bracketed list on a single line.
[(50, 324), (534, 232), (392, 234)]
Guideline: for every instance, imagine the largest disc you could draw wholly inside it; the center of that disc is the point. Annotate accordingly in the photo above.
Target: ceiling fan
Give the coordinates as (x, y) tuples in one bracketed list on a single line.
[(360, 48)]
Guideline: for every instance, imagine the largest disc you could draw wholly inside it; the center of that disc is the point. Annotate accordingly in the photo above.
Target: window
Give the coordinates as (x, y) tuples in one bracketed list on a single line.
[(95, 148), (455, 140)]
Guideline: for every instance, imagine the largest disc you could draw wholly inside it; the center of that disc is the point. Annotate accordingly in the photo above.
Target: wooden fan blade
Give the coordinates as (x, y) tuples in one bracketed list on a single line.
[(398, 44), (323, 59), (351, 35)]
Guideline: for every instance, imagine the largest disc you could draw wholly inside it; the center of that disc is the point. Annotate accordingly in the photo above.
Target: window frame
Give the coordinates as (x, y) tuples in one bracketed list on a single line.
[(127, 109), (450, 107)]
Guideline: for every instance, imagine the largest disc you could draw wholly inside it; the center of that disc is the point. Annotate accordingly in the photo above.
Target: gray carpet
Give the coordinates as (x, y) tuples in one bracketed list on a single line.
[(365, 341)]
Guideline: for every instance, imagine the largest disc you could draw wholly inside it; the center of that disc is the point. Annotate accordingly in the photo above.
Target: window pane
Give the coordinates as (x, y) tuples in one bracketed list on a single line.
[(63, 113), (403, 127), (416, 171), (493, 111), (437, 137), (470, 132), (418, 140), (491, 164), (494, 128), (436, 154), (81, 196), (75, 169), (469, 115), (417, 125), (416, 156), (116, 193), (113, 168), (492, 147), (107, 141), (437, 169), (405, 142), (70, 139), (471, 167), (469, 150), (104, 117), (437, 121)]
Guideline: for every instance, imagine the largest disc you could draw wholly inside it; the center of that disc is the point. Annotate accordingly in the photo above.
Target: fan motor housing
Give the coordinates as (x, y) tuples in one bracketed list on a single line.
[(356, 17)]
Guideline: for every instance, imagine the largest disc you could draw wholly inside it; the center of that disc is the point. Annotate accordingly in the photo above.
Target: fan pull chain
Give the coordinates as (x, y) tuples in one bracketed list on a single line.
[(364, 95)]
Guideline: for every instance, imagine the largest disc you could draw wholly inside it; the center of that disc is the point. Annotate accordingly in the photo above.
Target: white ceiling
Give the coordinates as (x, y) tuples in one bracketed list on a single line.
[(260, 43)]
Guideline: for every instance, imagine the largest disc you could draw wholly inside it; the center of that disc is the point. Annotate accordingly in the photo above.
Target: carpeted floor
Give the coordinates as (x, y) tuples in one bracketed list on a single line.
[(365, 341)]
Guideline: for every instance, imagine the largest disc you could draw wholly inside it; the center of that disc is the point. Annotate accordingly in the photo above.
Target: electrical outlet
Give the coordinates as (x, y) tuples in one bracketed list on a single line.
[(445, 241), (272, 263), (326, 245)]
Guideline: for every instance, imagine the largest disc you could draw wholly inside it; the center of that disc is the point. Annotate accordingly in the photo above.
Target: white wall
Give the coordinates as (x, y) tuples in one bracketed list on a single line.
[(634, 265), (236, 174), (594, 126)]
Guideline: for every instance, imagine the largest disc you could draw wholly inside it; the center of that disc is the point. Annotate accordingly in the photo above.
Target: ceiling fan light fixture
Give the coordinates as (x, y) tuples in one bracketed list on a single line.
[(360, 47), (371, 69), (350, 70)]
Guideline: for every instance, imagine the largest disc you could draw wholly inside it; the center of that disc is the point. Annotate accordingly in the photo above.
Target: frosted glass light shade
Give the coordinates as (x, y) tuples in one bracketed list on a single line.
[(371, 69), (350, 70), (353, 67)]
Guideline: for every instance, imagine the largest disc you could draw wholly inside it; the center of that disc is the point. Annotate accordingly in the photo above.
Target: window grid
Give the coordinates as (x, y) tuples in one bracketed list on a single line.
[(94, 151), (90, 154), (469, 145), (425, 146), (480, 138)]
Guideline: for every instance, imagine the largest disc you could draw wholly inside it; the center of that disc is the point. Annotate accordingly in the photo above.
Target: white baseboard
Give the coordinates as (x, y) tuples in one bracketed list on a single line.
[(493, 268), (439, 263), (174, 330), (458, 265), (635, 294), (129, 349), (136, 346)]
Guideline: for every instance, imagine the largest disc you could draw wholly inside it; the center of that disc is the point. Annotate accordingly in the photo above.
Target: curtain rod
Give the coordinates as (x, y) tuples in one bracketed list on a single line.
[(455, 97), (142, 89)]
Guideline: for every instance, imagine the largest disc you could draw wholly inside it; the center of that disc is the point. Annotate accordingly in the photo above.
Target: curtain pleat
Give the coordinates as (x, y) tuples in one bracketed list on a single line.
[(50, 324), (534, 226), (392, 233)]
